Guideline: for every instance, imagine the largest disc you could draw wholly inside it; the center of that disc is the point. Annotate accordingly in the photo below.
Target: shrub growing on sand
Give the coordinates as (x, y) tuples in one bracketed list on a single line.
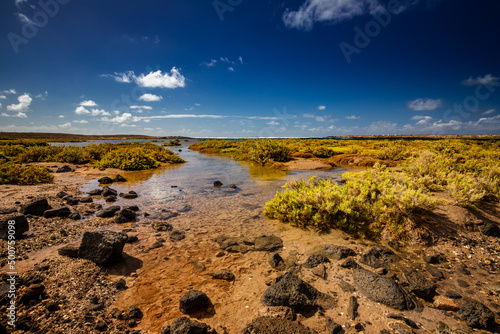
[(367, 203), (266, 151), (11, 173)]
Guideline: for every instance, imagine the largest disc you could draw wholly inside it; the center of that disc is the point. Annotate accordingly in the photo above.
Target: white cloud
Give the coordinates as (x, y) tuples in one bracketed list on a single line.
[(0, 105), (81, 111), (226, 60), (10, 91), (487, 80), (321, 107), (3, 97), (19, 115), (335, 11), (141, 107), (65, 125), (240, 59), (489, 111), (82, 121), (424, 104), (60, 116), (150, 98), (23, 105), (352, 117), (159, 80), (308, 115), (19, 2), (102, 112), (421, 119), (24, 19), (274, 123), (197, 104), (212, 63), (126, 77), (88, 103), (230, 69)]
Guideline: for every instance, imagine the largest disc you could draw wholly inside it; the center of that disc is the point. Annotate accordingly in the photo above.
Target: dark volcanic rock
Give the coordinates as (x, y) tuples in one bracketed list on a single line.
[(119, 178), (21, 225), (334, 252), (217, 184), (107, 191), (490, 229), (7, 211), (161, 226), (124, 216), (70, 200), (352, 308), (95, 192), (268, 325), (86, 199), (333, 327), (177, 235), (293, 292), (134, 312), (268, 243), (33, 292), (102, 247), (435, 258), (63, 211), (223, 274), (130, 195), (276, 261), (105, 180), (378, 256), (75, 216), (239, 244), (476, 315), (111, 199), (350, 264), (383, 290), (108, 212), (194, 301), (64, 169), (61, 194), (69, 251), (419, 284), (436, 273), (315, 260), (35, 207), (184, 325)]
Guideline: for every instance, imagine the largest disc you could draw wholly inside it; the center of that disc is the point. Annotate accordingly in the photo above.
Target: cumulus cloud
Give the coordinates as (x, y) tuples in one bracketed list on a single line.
[(336, 11), (23, 105), (352, 117), (3, 97), (424, 104), (82, 121), (102, 112), (9, 91), (321, 107), (60, 116), (88, 103), (65, 125), (81, 111), (230, 69), (487, 80), (150, 98), (157, 79), (19, 115)]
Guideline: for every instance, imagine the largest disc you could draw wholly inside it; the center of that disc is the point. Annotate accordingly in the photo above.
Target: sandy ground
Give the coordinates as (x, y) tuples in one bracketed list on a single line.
[(157, 278)]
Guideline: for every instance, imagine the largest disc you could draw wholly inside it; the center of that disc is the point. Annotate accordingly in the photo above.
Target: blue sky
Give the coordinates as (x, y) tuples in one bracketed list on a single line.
[(240, 68)]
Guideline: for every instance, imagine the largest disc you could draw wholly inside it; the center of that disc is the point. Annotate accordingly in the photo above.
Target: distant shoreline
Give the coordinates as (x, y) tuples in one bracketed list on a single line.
[(48, 135)]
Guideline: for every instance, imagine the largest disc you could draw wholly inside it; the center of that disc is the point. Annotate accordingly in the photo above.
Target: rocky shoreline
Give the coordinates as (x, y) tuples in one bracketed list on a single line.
[(122, 269)]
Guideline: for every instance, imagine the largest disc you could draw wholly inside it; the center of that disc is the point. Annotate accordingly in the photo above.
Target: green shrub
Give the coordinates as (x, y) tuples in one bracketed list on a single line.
[(11, 173), (267, 151)]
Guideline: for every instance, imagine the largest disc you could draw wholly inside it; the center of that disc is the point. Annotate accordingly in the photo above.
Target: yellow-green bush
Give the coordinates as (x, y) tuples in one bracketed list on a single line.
[(11, 173)]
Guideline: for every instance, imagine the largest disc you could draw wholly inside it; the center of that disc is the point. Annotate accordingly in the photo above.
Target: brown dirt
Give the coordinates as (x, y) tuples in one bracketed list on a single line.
[(308, 164), (358, 160)]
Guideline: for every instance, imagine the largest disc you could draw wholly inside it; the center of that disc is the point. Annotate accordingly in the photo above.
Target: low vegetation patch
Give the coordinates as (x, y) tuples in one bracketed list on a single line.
[(125, 156)]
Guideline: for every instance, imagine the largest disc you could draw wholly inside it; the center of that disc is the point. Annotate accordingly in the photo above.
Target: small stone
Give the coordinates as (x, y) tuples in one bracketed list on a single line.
[(223, 274), (134, 312), (121, 284), (217, 184), (352, 308), (177, 235), (320, 271), (194, 301), (105, 180), (52, 306), (100, 326), (233, 186), (444, 303), (119, 178), (276, 261)]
